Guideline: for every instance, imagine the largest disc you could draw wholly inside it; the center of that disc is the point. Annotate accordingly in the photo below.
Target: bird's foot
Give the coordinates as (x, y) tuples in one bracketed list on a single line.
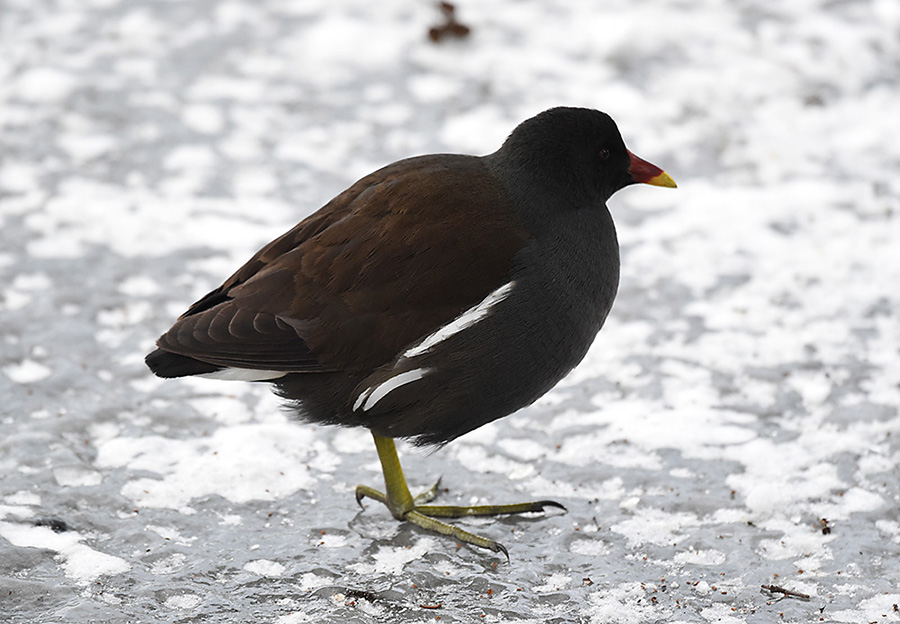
[(425, 516)]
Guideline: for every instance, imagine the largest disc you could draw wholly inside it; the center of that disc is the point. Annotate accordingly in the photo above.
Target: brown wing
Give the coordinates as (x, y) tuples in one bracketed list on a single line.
[(397, 255)]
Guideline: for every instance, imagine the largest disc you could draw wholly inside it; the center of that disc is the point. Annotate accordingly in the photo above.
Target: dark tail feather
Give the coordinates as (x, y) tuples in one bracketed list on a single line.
[(167, 365)]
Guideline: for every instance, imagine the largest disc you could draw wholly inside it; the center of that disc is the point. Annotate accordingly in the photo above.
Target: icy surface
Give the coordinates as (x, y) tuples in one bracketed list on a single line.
[(734, 425)]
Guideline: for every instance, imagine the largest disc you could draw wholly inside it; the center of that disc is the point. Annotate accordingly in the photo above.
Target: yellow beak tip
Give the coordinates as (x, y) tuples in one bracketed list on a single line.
[(663, 179)]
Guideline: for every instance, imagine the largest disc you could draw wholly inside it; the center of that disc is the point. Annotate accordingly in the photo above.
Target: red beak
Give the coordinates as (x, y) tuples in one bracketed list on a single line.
[(644, 173)]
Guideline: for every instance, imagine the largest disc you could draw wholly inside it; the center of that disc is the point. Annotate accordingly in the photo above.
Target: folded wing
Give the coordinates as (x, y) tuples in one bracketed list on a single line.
[(353, 285)]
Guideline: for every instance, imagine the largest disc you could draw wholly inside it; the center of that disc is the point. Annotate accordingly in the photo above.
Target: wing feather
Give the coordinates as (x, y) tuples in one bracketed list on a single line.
[(385, 263)]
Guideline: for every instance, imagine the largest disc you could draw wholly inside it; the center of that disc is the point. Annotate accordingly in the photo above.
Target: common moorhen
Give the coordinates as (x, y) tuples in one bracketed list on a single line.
[(433, 296)]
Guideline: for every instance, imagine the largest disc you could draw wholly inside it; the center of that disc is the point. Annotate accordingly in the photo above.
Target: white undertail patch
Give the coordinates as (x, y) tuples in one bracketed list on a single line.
[(369, 397), (243, 374), (463, 321)]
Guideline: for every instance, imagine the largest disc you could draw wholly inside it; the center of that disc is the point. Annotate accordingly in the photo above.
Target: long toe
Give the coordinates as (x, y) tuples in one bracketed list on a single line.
[(450, 511), (430, 524), (364, 491)]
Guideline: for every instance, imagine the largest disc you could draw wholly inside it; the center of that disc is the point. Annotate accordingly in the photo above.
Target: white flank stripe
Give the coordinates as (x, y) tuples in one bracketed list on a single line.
[(362, 397), (243, 374), (370, 397), (463, 321)]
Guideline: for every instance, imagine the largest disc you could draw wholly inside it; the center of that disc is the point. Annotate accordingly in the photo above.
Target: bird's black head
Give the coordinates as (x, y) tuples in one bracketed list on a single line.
[(575, 154)]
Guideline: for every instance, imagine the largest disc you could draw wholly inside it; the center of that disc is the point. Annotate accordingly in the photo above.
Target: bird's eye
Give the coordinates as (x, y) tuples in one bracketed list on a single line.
[(604, 154)]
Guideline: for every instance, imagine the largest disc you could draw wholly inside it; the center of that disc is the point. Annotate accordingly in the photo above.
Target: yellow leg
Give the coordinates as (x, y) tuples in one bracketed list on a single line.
[(403, 506)]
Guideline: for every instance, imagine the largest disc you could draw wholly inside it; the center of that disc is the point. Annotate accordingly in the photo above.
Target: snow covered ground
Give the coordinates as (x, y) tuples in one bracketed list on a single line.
[(735, 424)]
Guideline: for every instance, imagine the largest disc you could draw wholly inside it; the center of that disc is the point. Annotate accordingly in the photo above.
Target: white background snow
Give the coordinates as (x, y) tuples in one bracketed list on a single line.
[(742, 396)]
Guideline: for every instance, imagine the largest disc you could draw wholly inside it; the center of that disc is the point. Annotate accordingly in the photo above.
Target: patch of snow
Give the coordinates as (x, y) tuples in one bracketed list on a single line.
[(240, 463), (554, 582), (27, 371), (44, 85), (183, 601), (590, 547), (169, 565), (653, 526), (204, 118), (80, 563), (265, 567), (706, 557), (310, 581), (391, 560), (626, 603), (75, 476)]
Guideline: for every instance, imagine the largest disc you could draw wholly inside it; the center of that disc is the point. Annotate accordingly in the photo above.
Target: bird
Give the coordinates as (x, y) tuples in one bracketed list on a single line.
[(431, 297)]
